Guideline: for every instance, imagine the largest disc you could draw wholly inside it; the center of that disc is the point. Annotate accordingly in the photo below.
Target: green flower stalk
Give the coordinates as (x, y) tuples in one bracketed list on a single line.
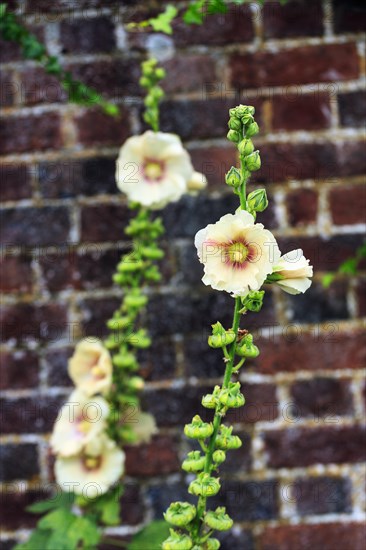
[(239, 265)]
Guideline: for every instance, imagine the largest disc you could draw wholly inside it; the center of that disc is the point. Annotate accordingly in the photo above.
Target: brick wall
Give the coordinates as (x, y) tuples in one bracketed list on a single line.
[(297, 482)]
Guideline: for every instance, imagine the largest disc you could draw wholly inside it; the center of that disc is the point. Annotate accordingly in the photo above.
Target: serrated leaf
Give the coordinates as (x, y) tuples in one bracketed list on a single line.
[(151, 537), (64, 500)]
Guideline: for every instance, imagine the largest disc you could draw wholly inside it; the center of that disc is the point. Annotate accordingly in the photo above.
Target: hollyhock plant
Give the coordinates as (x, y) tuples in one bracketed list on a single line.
[(90, 367), (80, 420), (239, 256)]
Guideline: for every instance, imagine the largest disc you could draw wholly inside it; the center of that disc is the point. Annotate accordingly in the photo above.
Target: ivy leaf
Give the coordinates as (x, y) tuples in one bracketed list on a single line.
[(162, 23), (151, 537), (64, 500), (194, 14)]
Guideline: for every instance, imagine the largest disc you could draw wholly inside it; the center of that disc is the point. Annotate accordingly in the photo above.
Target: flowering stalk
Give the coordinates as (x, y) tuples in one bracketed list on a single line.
[(239, 257)]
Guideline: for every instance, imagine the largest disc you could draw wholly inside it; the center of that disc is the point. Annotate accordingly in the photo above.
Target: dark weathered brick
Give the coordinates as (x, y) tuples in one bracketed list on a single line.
[(352, 109), (29, 414), (36, 86), (18, 369), (18, 461), (161, 495), (318, 304), (96, 267), (159, 361), (301, 112), (71, 178), (105, 222), (348, 204), (14, 503), (326, 536), (26, 226), (302, 65), (15, 182), (295, 19), (361, 297), (58, 271), (302, 206), (189, 73), (16, 274), (322, 397), (11, 51), (214, 162), (296, 447), (132, 504), (349, 17), (87, 35), (230, 540), (95, 313), (96, 128), (8, 89), (19, 134), (322, 495), (34, 322), (160, 457), (57, 363)]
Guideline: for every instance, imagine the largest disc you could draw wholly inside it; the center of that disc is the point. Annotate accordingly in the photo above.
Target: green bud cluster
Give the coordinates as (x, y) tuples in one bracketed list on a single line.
[(220, 337), (151, 75), (198, 429)]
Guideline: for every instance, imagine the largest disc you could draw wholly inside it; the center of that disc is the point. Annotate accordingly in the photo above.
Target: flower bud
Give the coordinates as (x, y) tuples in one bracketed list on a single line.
[(253, 161), (245, 147), (225, 440), (233, 136), (195, 462), (219, 456), (129, 266), (218, 520), (204, 485), (252, 130), (233, 177), (198, 429), (253, 301), (234, 124), (246, 348), (139, 339), (212, 544), (177, 541), (160, 73), (209, 401), (119, 323), (220, 337), (180, 513), (136, 383), (257, 200), (125, 361), (151, 252), (231, 396), (135, 300), (144, 82)]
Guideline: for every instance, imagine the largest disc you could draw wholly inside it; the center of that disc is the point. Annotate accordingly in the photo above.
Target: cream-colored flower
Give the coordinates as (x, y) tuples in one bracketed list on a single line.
[(144, 428), (90, 368), (295, 270), (92, 472), (237, 253), (197, 182), (154, 169), (80, 420)]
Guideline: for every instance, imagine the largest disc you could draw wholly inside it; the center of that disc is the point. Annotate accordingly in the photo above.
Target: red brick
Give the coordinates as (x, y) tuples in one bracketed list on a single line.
[(36, 86), (160, 457), (326, 536), (158, 362), (348, 204), (105, 222), (96, 267), (57, 364), (13, 503), (19, 134), (295, 447), (58, 271), (320, 397), (327, 348), (7, 89), (19, 369), (34, 322), (303, 65), (87, 35), (361, 297), (15, 182), (214, 162), (26, 226), (189, 73), (352, 109), (234, 26), (19, 461), (302, 206), (16, 274), (96, 128), (322, 495), (11, 51), (349, 17), (301, 112), (29, 414), (297, 18)]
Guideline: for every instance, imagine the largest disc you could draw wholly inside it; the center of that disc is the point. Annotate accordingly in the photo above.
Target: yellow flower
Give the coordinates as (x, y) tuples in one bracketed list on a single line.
[(92, 472), (237, 254), (90, 368), (80, 420)]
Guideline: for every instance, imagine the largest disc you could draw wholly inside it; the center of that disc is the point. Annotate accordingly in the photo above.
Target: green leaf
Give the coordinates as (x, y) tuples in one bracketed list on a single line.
[(162, 23), (38, 539), (64, 500), (349, 267), (84, 530), (59, 519), (327, 280), (151, 537), (194, 14)]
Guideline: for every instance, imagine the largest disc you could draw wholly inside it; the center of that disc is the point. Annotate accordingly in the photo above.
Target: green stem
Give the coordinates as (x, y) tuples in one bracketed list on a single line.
[(219, 413)]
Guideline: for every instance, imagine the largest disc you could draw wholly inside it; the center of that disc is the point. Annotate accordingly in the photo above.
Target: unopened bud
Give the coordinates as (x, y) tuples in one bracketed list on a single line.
[(253, 161), (233, 177), (177, 541), (233, 136), (219, 456), (252, 130), (195, 462), (204, 485), (198, 429), (245, 147), (234, 124), (218, 519), (212, 544), (257, 200), (180, 513), (253, 301)]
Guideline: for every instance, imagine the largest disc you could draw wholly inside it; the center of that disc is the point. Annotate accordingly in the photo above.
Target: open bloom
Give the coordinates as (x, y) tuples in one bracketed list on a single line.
[(144, 428), (92, 472), (295, 271), (80, 420), (237, 254), (154, 169), (90, 368)]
